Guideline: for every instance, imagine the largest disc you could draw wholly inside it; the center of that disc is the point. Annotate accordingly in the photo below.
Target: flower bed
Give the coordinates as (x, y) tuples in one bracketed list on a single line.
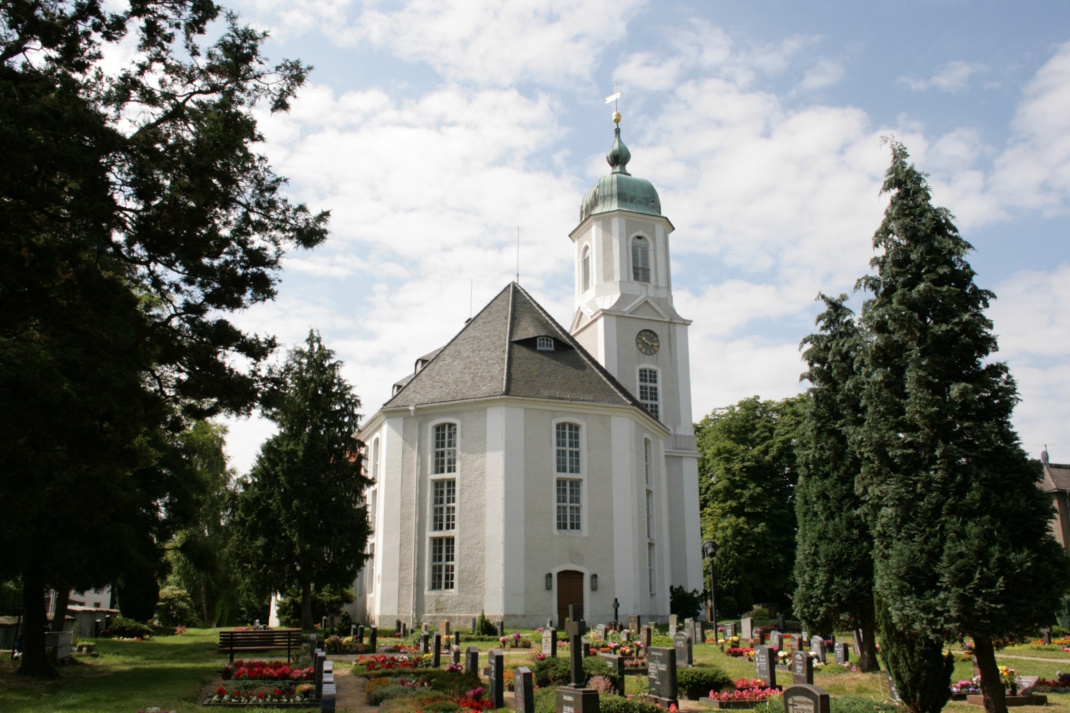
[(748, 693), (266, 671), (1061, 684), (738, 651), (298, 696)]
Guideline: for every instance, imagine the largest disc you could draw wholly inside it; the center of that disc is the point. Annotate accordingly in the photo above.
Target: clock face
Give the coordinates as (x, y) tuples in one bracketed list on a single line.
[(647, 342)]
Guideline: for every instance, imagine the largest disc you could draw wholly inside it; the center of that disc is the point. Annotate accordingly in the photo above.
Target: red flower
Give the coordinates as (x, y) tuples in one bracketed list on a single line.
[(220, 691)]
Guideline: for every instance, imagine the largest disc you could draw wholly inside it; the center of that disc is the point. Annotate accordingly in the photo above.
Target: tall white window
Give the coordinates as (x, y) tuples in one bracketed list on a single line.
[(640, 259), (648, 468), (569, 491), (586, 269), (442, 563), (445, 455), (648, 391), (444, 505)]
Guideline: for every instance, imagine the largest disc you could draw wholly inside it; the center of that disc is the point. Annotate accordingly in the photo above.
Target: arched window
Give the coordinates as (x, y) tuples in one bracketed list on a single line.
[(586, 269), (648, 391), (640, 259)]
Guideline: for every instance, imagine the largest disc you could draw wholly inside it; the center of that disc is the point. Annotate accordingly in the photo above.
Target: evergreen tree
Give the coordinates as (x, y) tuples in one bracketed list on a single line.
[(747, 479), (134, 214), (834, 550), (300, 519), (961, 539)]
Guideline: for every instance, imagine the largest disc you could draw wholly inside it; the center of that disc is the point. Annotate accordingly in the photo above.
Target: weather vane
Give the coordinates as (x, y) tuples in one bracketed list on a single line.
[(613, 98)]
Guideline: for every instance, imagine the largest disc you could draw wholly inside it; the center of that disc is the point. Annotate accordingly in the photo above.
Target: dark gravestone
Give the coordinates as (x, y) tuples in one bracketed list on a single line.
[(497, 678), (397, 627), (360, 634), (616, 670), (729, 629), (802, 668), (843, 653), (758, 639), (501, 629), (373, 638), (549, 642), (352, 631), (765, 665), (776, 640), (576, 700), (1047, 635), (805, 698), (634, 623), (456, 638), (549, 623), (318, 672), (683, 646), (436, 653), (455, 655), (616, 611), (673, 619), (575, 629), (404, 630), (645, 636), (524, 683), (425, 643), (797, 642), (586, 648), (817, 646), (746, 628), (892, 692), (661, 673), (312, 644), (471, 660), (780, 623)]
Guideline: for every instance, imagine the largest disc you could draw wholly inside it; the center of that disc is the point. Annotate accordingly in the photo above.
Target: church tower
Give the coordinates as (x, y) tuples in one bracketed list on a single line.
[(625, 317)]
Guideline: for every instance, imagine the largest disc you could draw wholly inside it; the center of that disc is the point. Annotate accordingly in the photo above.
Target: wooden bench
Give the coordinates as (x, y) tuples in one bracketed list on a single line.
[(263, 640)]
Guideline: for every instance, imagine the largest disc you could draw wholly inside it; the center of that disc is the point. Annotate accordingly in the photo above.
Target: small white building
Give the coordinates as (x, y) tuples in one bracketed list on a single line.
[(522, 467)]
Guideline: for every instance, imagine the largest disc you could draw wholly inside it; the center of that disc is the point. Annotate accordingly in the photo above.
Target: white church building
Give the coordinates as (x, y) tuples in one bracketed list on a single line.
[(524, 467)]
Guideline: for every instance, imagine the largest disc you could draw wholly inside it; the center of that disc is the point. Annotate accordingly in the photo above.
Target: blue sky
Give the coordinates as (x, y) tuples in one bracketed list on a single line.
[(434, 130)]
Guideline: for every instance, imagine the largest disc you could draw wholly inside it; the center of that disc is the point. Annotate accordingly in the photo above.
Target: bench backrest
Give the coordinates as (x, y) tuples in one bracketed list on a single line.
[(271, 637)]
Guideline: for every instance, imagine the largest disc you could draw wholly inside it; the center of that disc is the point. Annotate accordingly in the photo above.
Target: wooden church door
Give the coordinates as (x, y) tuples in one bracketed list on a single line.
[(569, 591)]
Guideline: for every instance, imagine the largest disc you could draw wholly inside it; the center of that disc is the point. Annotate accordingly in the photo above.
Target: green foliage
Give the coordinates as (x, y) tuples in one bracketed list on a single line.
[(619, 704), (684, 603), (747, 477), (857, 704), (327, 601), (300, 520), (174, 608), (558, 672), (138, 591), (916, 663), (394, 690), (697, 682), (484, 627), (128, 628), (10, 597), (546, 700)]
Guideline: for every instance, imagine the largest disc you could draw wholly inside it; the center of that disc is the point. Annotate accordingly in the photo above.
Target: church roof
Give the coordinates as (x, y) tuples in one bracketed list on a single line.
[(620, 190), (497, 354), (1056, 477)]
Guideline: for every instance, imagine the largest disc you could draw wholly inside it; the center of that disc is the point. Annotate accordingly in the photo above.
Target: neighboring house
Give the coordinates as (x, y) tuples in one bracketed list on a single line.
[(1057, 483), (523, 467)]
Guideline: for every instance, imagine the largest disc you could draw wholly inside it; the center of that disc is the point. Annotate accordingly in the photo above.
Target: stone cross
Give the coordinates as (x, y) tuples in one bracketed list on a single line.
[(616, 610), (576, 630)]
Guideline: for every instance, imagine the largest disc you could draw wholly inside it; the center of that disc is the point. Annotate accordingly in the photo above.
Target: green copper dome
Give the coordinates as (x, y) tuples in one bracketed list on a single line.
[(620, 190)]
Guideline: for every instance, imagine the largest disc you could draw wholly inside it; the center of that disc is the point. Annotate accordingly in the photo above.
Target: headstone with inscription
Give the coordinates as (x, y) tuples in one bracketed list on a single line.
[(471, 660), (802, 667), (729, 629), (646, 635), (549, 642), (746, 628), (524, 684), (601, 630), (776, 640), (843, 653), (661, 673), (817, 647), (436, 653), (673, 619), (616, 670), (633, 624), (797, 642), (497, 678), (684, 651), (765, 665), (805, 698)]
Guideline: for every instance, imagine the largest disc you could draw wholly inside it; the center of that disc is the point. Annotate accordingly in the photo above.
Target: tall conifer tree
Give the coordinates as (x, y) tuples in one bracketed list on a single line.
[(834, 549), (961, 539)]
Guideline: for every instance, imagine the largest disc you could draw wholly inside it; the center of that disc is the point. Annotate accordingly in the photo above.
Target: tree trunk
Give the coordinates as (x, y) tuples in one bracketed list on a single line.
[(63, 598), (306, 605), (991, 686), (34, 659), (867, 654)]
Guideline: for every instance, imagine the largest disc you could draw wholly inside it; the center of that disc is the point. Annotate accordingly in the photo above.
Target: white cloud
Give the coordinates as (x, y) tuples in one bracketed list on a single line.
[(824, 73), (951, 77)]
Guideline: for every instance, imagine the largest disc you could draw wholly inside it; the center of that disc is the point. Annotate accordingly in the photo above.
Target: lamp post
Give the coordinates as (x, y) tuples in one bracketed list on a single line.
[(709, 551)]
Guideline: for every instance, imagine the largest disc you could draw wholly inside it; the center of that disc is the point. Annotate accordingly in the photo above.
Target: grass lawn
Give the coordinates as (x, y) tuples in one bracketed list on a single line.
[(127, 677)]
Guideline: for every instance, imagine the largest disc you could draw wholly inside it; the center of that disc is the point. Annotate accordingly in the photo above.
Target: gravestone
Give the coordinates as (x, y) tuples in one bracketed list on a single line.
[(616, 612), (746, 628), (683, 646), (646, 636), (780, 623), (352, 631), (765, 665), (497, 678), (444, 628), (549, 642), (471, 660), (455, 655), (689, 628), (318, 672), (360, 634), (312, 643), (436, 653), (797, 642), (323, 623), (626, 635), (474, 626), (858, 642), (586, 648), (549, 623), (673, 619), (524, 684), (601, 629), (501, 628), (633, 624), (373, 638), (1047, 635), (616, 670), (661, 676), (758, 639), (574, 697), (404, 630), (805, 698), (729, 629), (397, 627), (843, 653), (802, 668), (892, 692), (425, 643), (423, 628), (817, 647), (776, 640), (805, 635)]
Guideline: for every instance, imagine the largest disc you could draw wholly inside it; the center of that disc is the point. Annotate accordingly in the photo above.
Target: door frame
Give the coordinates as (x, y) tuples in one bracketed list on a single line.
[(586, 590)]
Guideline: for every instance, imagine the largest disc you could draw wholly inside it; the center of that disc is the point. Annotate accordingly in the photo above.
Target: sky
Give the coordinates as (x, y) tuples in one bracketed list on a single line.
[(435, 132)]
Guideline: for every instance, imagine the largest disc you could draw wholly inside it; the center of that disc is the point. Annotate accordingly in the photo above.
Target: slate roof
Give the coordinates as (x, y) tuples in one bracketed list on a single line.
[(496, 355), (1056, 478)]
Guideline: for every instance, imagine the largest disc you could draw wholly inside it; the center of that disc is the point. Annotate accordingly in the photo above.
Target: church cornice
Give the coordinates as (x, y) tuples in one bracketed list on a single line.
[(579, 229)]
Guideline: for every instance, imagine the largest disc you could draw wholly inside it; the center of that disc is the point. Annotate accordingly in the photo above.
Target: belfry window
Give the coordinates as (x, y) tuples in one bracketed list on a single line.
[(586, 269), (640, 259)]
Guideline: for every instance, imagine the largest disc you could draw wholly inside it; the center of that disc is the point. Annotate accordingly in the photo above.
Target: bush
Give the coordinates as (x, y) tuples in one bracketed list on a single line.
[(546, 700), (697, 682), (602, 684), (174, 607), (620, 704), (484, 627), (128, 628), (556, 672), (381, 693), (684, 603)]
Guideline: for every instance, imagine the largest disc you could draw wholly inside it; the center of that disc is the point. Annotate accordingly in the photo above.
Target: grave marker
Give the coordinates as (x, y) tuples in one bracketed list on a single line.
[(673, 619), (373, 638), (575, 698), (524, 683), (423, 628), (646, 636), (497, 678), (758, 639), (780, 623), (817, 646), (661, 674), (360, 634), (616, 670), (549, 642), (776, 640), (444, 628), (456, 638), (797, 642), (501, 629), (765, 665), (471, 660), (318, 672), (684, 652), (455, 655), (746, 628), (729, 629), (805, 698), (858, 642), (601, 629), (843, 654), (1047, 635), (436, 653), (802, 668), (633, 623), (425, 643), (474, 626)]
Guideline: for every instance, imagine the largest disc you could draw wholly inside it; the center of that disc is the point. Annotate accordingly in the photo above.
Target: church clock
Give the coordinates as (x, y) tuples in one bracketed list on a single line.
[(647, 342)]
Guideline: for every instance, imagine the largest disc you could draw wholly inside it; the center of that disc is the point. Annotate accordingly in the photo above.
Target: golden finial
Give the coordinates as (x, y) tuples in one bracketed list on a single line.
[(613, 98)]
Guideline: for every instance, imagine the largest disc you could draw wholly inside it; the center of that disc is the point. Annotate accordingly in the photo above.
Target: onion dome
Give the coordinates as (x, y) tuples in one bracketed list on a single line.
[(620, 190)]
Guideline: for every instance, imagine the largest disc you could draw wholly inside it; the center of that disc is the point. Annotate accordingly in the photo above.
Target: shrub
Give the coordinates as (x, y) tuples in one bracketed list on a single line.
[(685, 603), (620, 704), (556, 672), (484, 627), (854, 704), (697, 682), (381, 693), (546, 700), (602, 684), (128, 628), (174, 607)]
